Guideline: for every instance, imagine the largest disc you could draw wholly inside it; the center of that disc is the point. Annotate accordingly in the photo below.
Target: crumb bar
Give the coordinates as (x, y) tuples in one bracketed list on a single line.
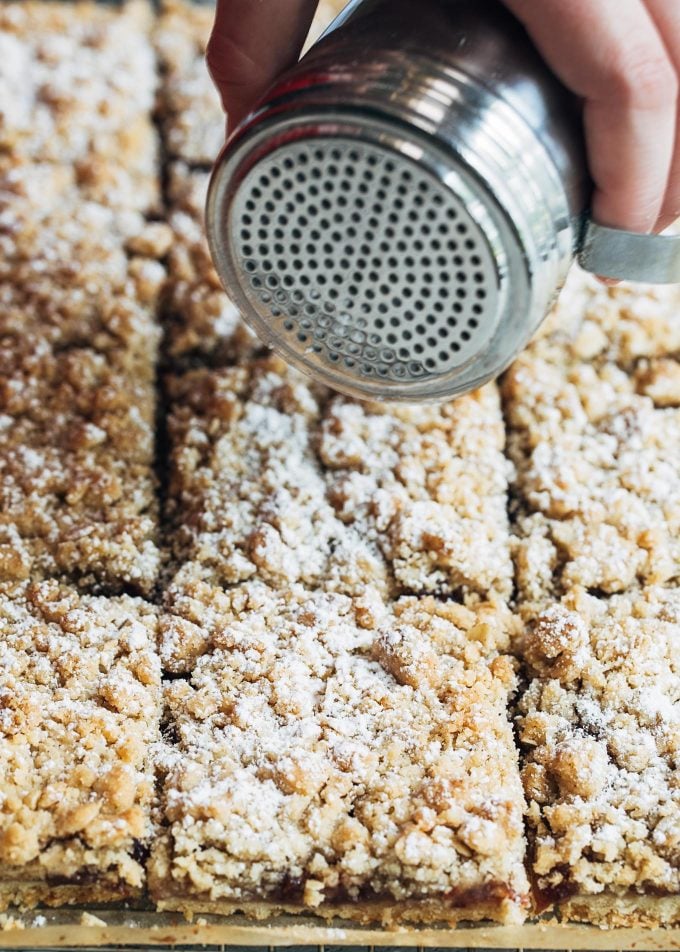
[(600, 728), (76, 272), (77, 86), (342, 757), (597, 450), (429, 484), (79, 713), (247, 495), (77, 488), (79, 290), (276, 479)]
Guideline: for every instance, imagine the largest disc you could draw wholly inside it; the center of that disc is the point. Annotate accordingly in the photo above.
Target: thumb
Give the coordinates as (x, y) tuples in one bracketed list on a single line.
[(252, 41)]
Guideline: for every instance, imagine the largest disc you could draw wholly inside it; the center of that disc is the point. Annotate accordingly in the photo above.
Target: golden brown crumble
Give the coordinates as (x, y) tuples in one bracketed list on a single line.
[(625, 323), (77, 491), (429, 484), (275, 479), (331, 749), (76, 272), (247, 494), (201, 320), (80, 282), (55, 185), (79, 713), (77, 85), (600, 728), (597, 449), (79, 288)]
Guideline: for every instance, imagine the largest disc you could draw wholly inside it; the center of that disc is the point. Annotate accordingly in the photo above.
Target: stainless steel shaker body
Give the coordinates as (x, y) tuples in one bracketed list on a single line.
[(398, 214)]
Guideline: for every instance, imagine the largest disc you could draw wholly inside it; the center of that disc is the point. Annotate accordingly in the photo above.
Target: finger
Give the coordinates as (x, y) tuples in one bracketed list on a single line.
[(609, 52), (667, 19), (252, 41)]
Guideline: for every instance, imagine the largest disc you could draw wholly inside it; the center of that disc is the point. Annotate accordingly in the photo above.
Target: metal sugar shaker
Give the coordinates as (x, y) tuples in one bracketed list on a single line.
[(398, 214)]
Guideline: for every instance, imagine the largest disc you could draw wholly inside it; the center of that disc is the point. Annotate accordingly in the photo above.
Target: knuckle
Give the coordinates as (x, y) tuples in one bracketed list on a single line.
[(646, 78), (217, 63), (235, 69)]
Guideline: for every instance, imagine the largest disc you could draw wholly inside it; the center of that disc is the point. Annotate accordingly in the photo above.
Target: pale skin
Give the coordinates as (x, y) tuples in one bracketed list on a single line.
[(621, 57)]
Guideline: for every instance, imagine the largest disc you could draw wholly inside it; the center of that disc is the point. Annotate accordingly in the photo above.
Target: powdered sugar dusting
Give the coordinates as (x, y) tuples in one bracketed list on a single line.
[(79, 712), (600, 724), (319, 744), (274, 480), (79, 287), (595, 435)]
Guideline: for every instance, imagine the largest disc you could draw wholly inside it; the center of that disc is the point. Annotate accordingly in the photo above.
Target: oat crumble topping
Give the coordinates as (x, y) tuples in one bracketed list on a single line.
[(336, 739), (328, 748), (77, 272), (79, 713), (595, 437), (77, 492), (77, 86), (272, 478), (600, 728), (80, 283), (247, 494), (429, 484)]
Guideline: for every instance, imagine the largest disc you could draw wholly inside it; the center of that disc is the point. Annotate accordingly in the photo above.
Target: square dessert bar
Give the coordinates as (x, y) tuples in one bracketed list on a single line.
[(78, 83), (79, 290), (597, 451), (276, 479), (77, 485), (340, 757), (247, 496), (78, 272), (429, 484), (600, 727), (79, 713)]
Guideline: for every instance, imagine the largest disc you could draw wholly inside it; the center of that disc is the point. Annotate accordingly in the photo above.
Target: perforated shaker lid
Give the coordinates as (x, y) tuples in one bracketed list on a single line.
[(362, 266)]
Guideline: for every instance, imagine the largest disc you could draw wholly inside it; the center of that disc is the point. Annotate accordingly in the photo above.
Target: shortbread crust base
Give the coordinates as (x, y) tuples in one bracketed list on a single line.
[(629, 910), (384, 913), (28, 895)]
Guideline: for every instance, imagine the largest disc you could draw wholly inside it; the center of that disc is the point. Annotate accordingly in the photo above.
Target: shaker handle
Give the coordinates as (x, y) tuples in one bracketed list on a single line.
[(629, 256)]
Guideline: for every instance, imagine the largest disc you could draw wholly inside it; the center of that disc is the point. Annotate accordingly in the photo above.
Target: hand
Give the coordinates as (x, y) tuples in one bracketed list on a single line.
[(622, 57)]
